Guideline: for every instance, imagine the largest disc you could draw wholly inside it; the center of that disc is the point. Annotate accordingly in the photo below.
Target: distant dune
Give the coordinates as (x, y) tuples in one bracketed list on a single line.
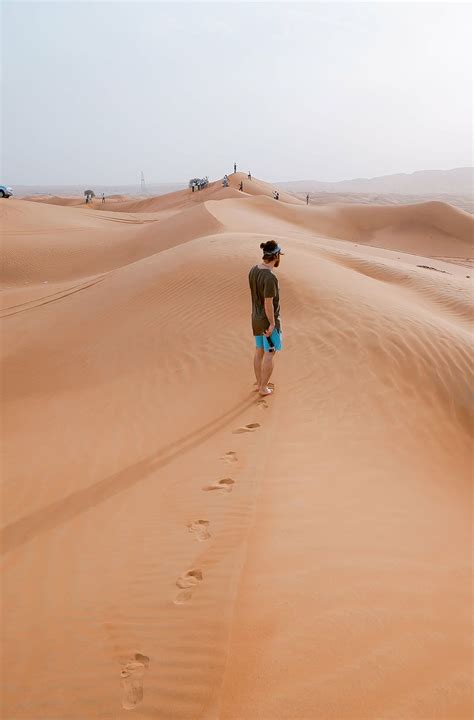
[(175, 545), (464, 202), (427, 228), (459, 181), (450, 186)]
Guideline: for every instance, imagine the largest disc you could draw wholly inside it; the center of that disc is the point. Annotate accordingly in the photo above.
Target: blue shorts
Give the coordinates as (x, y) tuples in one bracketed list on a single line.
[(261, 341)]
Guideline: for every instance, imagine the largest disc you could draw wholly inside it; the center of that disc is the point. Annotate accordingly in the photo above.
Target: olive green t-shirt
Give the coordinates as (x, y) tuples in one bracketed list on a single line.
[(263, 284)]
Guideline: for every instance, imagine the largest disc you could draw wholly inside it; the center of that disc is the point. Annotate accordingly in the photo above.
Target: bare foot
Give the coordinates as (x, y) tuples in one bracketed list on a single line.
[(270, 385), (265, 391)]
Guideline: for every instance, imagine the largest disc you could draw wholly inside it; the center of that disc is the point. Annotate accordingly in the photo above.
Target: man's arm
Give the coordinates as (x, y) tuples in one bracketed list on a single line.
[(270, 313)]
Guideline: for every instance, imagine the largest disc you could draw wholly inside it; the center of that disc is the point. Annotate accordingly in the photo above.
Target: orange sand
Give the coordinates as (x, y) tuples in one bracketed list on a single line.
[(160, 554)]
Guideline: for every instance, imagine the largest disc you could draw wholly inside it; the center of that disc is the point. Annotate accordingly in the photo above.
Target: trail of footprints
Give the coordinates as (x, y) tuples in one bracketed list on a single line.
[(134, 668), (189, 580)]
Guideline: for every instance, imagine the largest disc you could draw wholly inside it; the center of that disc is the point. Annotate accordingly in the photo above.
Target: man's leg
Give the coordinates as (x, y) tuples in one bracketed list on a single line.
[(267, 369), (257, 365)]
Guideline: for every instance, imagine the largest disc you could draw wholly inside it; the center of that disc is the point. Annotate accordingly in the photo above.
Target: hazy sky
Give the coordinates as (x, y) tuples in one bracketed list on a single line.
[(95, 92)]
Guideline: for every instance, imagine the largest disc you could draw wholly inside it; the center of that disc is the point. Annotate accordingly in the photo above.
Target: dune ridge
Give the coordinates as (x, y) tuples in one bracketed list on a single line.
[(188, 550)]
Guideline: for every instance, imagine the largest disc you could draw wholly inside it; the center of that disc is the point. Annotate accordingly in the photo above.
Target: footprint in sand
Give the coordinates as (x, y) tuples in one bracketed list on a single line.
[(133, 672), (183, 597), (200, 528), (251, 427), (225, 485), (230, 457), (262, 404), (187, 582)]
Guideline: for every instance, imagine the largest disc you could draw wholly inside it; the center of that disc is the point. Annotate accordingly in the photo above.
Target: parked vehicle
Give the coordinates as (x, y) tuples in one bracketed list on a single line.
[(5, 191), (198, 183)]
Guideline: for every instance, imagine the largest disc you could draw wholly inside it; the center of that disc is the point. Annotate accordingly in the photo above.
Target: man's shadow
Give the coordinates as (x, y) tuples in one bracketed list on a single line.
[(22, 531)]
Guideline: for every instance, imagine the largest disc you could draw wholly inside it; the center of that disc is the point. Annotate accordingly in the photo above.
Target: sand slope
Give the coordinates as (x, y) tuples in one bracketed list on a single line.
[(302, 558), (433, 228), (42, 242)]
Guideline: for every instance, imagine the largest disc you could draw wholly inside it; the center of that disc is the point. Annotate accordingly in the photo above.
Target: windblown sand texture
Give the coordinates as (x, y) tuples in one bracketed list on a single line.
[(175, 547)]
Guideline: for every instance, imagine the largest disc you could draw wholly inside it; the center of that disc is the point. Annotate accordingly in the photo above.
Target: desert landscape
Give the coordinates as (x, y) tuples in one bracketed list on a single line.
[(175, 546)]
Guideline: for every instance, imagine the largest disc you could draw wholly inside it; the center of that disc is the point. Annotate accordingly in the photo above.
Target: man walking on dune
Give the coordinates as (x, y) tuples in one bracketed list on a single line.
[(266, 324)]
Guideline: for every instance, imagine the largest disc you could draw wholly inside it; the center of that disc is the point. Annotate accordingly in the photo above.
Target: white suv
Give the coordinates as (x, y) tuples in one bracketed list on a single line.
[(5, 192)]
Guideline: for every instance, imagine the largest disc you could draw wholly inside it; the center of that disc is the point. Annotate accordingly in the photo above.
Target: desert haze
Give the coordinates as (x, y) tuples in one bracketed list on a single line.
[(458, 181), (175, 546)]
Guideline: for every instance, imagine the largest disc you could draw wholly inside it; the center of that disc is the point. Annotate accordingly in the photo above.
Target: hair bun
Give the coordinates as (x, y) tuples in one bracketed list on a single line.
[(262, 245)]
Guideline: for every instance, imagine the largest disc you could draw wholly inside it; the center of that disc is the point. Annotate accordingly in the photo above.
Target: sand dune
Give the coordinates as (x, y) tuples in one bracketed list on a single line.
[(261, 188), (175, 200), (457, 181), (55, 200), (174, 545), (425, 229), (464, 202), (172, 201), (48, 243), (429, 227)]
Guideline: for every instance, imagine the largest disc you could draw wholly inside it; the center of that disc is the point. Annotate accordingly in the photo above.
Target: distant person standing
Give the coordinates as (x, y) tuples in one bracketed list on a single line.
[(266, 324), (241, 186), (235, 167), (103, 198), (307, 199), (249, 175)]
